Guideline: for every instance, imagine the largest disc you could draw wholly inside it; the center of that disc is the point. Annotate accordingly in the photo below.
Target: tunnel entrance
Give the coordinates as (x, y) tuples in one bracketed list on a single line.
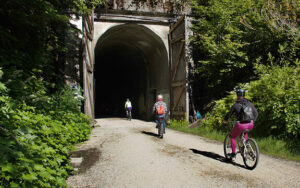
[(131, 61)]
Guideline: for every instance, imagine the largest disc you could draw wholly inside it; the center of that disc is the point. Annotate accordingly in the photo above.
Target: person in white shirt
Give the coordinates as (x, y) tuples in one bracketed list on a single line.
[(128, 108)]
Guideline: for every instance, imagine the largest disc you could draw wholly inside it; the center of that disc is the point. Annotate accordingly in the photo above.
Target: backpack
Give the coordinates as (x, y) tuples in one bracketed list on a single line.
[(198, 115), (160, 110), (246, 113)]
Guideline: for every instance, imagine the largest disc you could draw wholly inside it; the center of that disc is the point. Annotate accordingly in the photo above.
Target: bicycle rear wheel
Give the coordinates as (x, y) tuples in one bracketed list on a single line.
[(251, 154), (227, 147), (160, 129)]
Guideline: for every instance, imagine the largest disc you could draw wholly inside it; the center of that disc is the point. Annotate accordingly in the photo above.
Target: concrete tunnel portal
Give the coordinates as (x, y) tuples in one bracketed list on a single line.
[(131, 61)]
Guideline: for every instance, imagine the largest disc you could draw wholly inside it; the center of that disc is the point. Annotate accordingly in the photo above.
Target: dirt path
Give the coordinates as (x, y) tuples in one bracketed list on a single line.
[(124, 153)]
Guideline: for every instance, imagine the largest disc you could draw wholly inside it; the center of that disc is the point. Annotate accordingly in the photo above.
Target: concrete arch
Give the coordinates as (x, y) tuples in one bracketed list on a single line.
[(131, 61)]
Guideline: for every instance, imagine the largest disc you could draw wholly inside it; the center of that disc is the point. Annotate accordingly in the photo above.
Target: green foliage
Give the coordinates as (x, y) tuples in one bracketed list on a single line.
[(255, 42), (201, 130), (40, 119), (276, 95), (222, 38), (36, 41), (277, 148), (231, 37), (34, 146), (269, 145), (83, 7), (2, 86), (213, 119), (35, 140), (179, 123)]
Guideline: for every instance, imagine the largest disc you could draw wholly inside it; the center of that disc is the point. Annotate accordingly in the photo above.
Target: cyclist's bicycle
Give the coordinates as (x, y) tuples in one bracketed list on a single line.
[(128, 114), (247, 148), (160, 126)]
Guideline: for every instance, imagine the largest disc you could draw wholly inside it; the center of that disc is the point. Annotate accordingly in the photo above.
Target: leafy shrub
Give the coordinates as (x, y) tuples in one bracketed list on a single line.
[(39, 118), (230, 36), (213, 119), (276, 95), (34, 146)]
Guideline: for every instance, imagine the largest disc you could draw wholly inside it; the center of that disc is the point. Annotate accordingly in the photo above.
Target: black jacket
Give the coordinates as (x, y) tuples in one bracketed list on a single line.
[(236, 108)]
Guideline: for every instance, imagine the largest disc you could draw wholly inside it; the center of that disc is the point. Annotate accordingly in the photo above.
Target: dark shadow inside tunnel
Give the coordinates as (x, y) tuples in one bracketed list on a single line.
[(120, 73), (131, 61)]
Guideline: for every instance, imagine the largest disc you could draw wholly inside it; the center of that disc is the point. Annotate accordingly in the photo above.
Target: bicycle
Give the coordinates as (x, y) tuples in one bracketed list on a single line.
[(128, 114), (160, 126), (247, 148)]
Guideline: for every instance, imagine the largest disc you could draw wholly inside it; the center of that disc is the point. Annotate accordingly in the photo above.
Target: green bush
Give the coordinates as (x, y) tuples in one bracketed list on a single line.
[(229, 37), (34, 146), (276, 95), (267, 145), (40, 119)]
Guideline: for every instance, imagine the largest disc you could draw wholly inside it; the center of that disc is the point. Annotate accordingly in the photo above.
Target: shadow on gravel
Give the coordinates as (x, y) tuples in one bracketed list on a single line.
[(90, 157), (216, 157), (149, 133)]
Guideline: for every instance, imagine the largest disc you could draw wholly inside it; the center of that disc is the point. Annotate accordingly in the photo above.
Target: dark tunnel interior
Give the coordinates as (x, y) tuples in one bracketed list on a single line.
[(131, 61), (120, 73)]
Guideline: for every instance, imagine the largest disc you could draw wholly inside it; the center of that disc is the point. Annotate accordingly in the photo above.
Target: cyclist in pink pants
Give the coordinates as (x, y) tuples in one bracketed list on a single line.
[(237, 130), (246, 114)]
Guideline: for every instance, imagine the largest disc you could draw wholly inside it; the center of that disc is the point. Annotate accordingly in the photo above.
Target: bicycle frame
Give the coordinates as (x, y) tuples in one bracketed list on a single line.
[(128, 114), (160, 125), (247, 148), (240, 140)]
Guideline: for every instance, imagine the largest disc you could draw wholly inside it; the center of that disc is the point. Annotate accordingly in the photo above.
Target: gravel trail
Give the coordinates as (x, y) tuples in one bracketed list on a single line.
[(123, 153)]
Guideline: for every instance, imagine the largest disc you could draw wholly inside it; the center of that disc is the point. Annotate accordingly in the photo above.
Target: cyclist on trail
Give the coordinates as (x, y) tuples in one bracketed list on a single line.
[(246, 115), (128, 107), (160, 109)]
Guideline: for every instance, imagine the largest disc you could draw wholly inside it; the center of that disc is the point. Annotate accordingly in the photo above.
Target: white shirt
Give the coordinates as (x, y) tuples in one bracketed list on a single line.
[(128, 104)]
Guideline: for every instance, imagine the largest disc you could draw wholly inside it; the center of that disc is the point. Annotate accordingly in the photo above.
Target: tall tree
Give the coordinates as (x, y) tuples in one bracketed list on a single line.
[(232, 37), (36, 38)]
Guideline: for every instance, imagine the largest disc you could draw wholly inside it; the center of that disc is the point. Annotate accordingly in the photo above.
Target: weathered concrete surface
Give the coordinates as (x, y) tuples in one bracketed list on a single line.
[(128, 154), (158, 6), (76, 162)]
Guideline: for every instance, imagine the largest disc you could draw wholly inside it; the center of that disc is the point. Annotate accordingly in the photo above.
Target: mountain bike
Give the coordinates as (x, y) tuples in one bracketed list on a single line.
[(160, 126), (247, 148), (128, 114)]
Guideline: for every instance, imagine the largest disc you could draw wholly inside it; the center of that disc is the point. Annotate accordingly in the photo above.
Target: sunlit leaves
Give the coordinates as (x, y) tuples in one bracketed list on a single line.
[(42, 158), (39, 117)]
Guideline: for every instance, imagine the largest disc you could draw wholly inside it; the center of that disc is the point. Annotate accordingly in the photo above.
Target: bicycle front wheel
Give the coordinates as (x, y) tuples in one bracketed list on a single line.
[(251, 154), (227, 147)]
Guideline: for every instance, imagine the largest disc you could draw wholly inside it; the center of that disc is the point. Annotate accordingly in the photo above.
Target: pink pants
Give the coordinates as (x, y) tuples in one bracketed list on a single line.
[(237, 130)]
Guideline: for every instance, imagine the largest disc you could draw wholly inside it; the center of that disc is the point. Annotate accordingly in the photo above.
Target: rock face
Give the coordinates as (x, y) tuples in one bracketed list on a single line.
[(76, 162), (153, 6)]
